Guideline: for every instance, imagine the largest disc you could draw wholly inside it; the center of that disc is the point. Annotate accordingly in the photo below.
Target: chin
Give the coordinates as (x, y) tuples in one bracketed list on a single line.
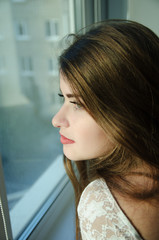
[(72, 157)]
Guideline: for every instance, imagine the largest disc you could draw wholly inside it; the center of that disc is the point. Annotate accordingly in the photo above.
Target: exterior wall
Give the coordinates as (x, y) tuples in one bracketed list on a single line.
[(40, 85), (145, 12)]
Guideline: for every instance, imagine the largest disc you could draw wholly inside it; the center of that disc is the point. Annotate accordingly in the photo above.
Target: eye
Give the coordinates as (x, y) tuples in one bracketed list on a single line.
[(77, 105)]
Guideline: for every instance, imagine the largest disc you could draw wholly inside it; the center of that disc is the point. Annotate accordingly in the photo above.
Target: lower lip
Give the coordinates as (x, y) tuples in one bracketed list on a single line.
[(65, 140)]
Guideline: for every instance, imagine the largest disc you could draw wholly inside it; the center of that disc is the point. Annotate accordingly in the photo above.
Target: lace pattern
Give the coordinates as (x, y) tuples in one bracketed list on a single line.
[(101, 217)]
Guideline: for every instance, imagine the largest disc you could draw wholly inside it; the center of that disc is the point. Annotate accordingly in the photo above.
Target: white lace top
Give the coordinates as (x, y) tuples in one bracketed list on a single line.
[(101, 217)]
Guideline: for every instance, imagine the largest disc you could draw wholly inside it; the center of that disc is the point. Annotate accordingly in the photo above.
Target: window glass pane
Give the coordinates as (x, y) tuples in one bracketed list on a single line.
[(30, 33), (21, 28), (52, 28), (53, 66)]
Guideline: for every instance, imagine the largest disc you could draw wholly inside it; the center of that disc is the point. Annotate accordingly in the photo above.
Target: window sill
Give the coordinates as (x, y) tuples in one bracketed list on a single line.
[(23, 38), (30, 209), (61, 214), (27, 73), (52, 38)]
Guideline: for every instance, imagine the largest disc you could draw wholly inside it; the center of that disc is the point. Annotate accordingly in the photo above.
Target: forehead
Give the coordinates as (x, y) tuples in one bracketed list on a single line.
[(64, 85)]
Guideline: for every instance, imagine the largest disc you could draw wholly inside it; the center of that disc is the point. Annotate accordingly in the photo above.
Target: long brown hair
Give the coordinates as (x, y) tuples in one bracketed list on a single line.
[(114, 67)]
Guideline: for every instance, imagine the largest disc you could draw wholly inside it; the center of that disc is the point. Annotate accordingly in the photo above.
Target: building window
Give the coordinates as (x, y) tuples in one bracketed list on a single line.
[(53, 66), (27, 66), (22, 31), (52, 30)]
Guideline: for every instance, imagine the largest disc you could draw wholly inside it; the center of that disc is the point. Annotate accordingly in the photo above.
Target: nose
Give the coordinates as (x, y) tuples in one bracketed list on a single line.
[(60, 119)]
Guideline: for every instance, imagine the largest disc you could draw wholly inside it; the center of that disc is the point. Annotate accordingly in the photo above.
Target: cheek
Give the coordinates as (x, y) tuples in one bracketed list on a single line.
[(90, 139), (92, 132), (94, 139)]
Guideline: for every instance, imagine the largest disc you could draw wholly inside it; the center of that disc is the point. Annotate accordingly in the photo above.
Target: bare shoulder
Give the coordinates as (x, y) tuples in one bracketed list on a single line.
[(144, 216)]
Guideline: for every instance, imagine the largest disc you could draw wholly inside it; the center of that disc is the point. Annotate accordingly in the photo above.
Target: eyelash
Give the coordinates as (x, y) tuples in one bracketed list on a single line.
[(77, 104), (60, 95)]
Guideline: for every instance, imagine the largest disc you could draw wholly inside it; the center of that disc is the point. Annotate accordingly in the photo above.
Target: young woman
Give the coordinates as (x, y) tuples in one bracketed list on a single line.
[(109, 127)]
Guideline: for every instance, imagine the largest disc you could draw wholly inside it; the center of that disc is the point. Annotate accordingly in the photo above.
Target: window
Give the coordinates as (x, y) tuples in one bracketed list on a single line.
[(52, 29), (22, 31), (53, 66), (27, 66)]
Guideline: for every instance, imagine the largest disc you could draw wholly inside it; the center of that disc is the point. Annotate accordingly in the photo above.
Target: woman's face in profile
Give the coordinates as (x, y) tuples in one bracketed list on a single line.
[(81, 136)]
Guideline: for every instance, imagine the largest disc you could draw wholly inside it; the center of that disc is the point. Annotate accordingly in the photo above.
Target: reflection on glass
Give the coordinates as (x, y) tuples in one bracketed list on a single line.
[(29, 47)]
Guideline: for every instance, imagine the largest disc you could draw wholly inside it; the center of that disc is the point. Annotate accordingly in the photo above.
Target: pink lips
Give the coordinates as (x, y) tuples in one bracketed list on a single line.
[(65, 140)]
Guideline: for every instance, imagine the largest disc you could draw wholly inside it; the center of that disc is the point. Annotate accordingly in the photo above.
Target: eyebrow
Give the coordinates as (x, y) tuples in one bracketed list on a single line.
[(69, 95)]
